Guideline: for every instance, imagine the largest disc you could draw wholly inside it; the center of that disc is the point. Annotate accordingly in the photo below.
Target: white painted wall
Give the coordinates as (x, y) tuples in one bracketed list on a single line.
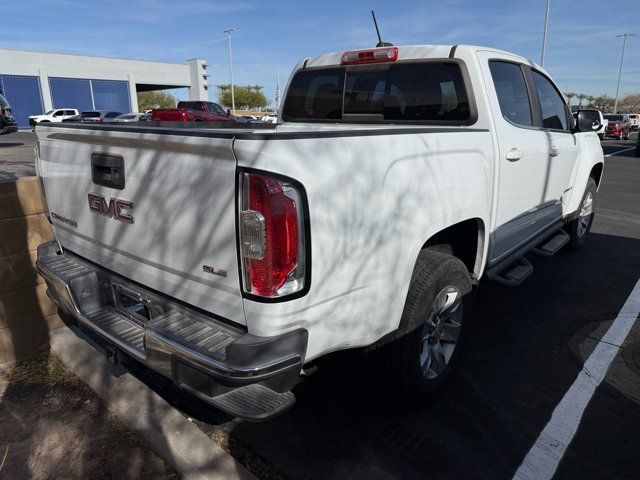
[(44, 65)]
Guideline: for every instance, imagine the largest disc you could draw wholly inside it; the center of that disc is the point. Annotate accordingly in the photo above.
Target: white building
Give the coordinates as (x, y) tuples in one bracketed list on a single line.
[(35, 82)]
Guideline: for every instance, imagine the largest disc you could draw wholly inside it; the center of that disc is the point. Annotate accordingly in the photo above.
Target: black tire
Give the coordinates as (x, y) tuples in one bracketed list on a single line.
[(578, 229), (410, 380)]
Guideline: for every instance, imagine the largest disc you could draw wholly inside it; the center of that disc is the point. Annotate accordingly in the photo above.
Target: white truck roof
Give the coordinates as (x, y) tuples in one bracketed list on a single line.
[(409, 52)]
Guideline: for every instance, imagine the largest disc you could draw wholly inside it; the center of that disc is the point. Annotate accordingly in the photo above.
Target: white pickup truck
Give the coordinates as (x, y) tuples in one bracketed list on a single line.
[(53, 116), (229, 259)]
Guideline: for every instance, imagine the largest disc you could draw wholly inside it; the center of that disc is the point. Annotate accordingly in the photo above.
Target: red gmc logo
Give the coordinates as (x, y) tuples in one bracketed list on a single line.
[(112, 208)]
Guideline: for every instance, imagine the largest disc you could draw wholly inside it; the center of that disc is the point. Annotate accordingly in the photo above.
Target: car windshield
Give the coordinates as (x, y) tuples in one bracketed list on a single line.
[(421, 92), (3, 102), (50, 112), (90, 114), (616, 118)]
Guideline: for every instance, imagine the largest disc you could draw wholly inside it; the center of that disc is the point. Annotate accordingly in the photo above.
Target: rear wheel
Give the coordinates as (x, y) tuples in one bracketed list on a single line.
[(580, 226), (438, 304)]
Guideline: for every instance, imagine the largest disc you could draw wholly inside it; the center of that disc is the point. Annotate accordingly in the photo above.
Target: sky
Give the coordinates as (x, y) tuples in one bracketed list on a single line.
[(582, 54)]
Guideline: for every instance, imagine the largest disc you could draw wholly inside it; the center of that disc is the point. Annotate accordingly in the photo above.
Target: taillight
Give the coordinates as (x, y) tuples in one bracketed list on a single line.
[(375, 55), (618, 126), (272, 236)]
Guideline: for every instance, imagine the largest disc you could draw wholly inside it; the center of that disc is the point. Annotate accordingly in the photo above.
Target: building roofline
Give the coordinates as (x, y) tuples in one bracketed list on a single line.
[(90, 56)]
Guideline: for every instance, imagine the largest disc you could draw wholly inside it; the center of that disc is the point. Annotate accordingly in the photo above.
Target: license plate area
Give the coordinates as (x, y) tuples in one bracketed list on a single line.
[(131, 304)]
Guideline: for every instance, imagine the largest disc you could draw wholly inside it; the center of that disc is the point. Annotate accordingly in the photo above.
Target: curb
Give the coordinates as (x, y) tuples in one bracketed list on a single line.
[(189, 450)]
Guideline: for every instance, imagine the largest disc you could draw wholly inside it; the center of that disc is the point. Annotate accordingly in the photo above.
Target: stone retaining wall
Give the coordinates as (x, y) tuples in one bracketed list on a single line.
[(26, 313)]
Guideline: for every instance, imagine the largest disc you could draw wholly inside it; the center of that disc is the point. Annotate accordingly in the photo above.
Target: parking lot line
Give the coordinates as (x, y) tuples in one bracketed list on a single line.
[(545, 455), (620, 151)]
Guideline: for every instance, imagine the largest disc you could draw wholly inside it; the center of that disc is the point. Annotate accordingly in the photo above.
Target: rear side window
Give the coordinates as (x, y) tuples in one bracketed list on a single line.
[(554, 113), (512, 92), (191, 106), (425, 92)]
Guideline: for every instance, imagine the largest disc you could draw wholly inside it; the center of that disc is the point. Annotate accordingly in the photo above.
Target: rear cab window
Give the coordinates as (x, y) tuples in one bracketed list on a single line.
[(191, 106), (423, 92)]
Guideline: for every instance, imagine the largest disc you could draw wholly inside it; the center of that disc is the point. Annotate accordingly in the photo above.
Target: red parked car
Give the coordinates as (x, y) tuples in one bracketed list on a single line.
[(619, 126), (193, 111)]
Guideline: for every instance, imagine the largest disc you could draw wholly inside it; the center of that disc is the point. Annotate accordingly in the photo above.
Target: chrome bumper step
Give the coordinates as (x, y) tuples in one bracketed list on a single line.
[(242, 374)]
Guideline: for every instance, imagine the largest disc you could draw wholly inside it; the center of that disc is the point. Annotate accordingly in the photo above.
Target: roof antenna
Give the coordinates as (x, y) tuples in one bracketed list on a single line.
[(380, 42)]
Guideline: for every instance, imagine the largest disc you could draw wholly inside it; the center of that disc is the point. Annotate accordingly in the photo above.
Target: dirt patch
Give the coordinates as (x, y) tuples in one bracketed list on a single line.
[(53, 426)]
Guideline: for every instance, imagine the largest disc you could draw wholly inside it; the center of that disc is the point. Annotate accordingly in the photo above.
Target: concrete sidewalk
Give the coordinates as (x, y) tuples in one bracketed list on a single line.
[(194, 455)]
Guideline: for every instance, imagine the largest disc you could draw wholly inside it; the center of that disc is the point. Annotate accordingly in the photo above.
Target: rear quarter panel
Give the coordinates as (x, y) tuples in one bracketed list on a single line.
[(373, 202)]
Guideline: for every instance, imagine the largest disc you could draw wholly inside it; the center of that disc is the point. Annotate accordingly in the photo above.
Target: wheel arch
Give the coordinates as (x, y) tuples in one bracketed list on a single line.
[(464, 240), (596, 173)]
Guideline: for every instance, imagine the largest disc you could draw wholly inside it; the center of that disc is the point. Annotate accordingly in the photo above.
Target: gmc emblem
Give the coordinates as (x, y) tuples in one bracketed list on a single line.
[(113, 208)]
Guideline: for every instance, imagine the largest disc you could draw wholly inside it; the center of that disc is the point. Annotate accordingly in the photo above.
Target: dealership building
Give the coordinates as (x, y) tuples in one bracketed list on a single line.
[(36, 82)]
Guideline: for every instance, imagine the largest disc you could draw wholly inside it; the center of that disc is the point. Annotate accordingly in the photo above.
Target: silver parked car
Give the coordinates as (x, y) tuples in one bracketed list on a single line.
[(95, 116), (130, 117)]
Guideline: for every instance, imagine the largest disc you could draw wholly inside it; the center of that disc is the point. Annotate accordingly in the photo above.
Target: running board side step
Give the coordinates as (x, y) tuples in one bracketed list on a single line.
[(514, 274), (552, 246)]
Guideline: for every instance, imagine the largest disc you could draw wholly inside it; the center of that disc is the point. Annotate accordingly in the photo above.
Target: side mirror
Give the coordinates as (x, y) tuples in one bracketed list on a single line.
[(228, 112), (586, 123)]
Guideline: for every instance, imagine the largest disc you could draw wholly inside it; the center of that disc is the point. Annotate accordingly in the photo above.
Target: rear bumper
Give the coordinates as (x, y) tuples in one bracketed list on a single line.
[(203, 355)]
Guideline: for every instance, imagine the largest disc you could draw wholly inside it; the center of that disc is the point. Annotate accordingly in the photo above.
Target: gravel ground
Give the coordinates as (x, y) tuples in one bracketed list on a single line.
[(53, 426)]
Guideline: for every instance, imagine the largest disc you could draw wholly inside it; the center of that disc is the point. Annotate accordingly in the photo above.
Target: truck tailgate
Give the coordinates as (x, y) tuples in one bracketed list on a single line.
[(182, 241)]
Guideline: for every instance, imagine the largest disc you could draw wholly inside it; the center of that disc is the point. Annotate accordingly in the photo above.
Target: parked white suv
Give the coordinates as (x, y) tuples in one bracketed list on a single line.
[(53, 116), (230, 259)]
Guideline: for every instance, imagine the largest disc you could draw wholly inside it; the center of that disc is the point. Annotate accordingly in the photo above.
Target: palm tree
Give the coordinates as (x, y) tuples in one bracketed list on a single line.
[(569, 96)]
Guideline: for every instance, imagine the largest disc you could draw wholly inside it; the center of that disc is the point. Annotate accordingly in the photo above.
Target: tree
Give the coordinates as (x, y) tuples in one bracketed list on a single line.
[(604, 103), (246, 97), (569, 96), (630, 103), (155, 99)]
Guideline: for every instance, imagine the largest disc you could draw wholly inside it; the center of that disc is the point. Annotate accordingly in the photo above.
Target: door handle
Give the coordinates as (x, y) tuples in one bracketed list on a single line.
[(553, 151), (107, 170), (513, 155)]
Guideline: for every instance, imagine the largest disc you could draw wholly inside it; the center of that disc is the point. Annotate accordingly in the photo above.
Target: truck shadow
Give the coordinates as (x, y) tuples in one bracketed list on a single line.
[(522, 352)]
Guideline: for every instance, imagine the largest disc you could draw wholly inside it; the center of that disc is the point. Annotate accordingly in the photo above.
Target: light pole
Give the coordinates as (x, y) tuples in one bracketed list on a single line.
[(624, 44), (544, 35), (233, 98)]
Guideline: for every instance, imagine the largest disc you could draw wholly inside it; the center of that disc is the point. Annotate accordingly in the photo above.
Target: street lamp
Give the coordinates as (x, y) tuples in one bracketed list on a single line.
[(624, 44), (233, 99), (544, 35)]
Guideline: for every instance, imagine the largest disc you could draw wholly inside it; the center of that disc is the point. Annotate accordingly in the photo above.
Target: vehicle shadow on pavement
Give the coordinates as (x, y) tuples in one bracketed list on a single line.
[(522, 354)]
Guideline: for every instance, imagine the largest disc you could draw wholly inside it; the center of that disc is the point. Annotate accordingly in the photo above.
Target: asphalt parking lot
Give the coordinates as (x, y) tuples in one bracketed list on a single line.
[(523, 352), (16, 155)]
